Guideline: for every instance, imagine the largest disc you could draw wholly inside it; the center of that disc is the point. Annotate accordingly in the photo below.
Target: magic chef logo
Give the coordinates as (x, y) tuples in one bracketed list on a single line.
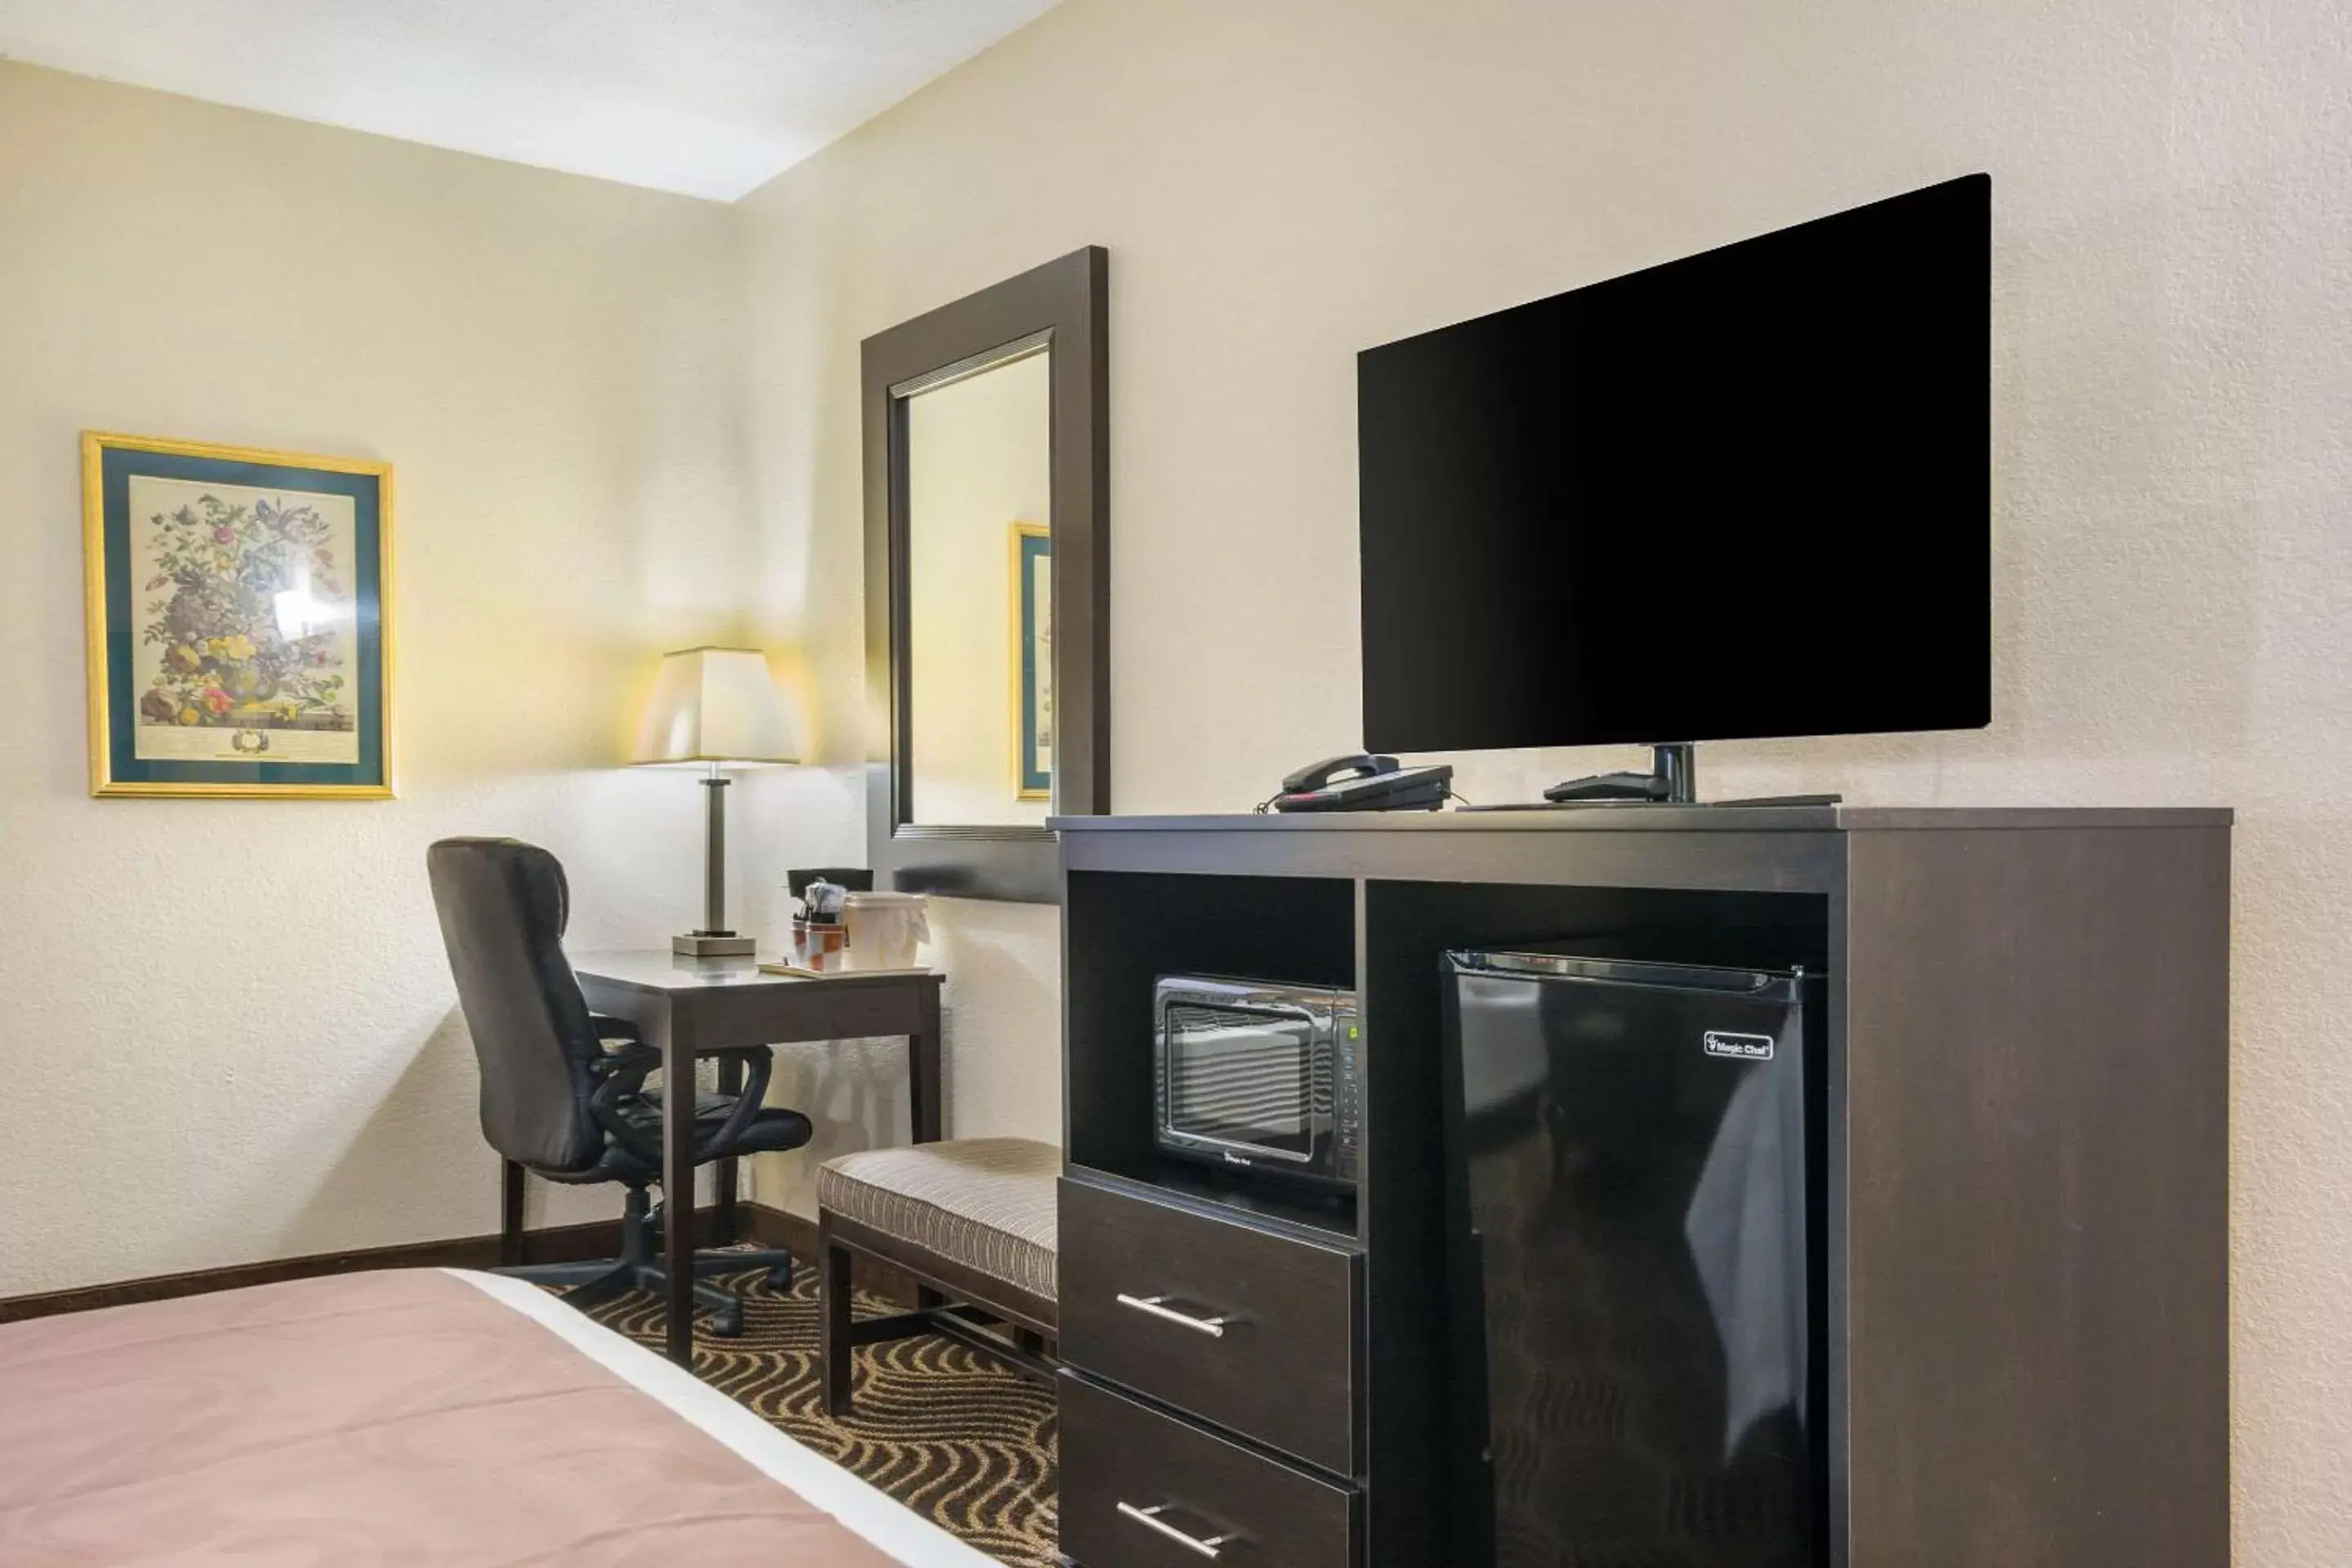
[(1739, 1047)]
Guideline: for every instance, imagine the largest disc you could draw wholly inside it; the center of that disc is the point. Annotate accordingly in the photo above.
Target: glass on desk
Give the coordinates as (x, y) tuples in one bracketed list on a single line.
[(821, 949)]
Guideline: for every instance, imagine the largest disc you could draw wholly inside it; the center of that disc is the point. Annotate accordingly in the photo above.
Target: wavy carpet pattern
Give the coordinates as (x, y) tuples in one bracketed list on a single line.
[(946, 1431)]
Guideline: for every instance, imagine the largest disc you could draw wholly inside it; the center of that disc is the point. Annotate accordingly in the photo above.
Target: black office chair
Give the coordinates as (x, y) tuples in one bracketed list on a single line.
[(563, 1090)]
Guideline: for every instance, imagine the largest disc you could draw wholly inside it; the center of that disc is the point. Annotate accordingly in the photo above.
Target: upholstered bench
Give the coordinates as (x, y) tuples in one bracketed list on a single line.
[(972, 1219)]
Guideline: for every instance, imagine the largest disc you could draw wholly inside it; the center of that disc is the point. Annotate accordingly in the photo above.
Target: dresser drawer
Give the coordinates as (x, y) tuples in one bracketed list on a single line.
[(1254, 1329), (1121, 1459)]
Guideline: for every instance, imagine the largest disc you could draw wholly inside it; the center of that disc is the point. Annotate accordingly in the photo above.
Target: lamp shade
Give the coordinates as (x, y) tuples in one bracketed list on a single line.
[(716, 705)]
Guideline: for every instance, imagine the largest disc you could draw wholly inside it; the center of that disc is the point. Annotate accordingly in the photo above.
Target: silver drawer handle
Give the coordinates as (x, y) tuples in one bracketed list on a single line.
[(1150, 1518), (1158, 1307)]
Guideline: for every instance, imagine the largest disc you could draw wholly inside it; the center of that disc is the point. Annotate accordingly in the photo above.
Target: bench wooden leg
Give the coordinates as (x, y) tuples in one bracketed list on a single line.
[(834, 1342)]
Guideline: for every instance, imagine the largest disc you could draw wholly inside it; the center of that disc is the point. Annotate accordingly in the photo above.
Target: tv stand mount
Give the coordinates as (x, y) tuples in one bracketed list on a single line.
[(1673, 780)]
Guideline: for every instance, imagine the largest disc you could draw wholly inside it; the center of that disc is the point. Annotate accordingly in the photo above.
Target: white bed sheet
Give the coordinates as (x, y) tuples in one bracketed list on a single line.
[(903, 1535)]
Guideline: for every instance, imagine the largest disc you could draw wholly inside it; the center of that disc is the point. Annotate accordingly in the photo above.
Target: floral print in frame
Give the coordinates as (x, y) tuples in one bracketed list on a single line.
[(237, 604)]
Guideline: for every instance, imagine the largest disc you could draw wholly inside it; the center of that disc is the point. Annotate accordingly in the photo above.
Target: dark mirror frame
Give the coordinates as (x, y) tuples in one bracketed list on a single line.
[(1065, 301)]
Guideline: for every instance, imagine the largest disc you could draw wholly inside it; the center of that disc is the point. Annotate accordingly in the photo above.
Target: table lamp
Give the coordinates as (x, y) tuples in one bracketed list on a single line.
[(714, 706)]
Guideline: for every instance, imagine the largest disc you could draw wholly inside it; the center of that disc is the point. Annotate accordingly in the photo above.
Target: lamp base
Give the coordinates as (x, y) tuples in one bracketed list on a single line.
[(711, 945)]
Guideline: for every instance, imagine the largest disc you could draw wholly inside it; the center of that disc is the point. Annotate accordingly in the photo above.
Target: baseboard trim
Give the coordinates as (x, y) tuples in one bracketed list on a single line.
[(557, 1244), (777, 1227)]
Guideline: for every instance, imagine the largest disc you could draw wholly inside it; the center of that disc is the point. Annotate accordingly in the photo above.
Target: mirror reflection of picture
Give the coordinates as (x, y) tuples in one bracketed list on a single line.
[(979, 468), (1032, 673)]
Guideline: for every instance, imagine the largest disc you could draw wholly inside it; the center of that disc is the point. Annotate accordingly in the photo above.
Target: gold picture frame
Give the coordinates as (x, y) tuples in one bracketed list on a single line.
[(311, 680)]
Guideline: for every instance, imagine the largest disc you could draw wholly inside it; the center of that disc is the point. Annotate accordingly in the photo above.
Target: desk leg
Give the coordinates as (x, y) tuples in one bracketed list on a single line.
[(730, 1082), (678, 1182), (923, 1070)]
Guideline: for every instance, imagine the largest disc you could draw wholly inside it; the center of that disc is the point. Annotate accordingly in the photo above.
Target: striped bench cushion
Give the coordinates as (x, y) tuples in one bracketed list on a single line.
[(986, 1203)]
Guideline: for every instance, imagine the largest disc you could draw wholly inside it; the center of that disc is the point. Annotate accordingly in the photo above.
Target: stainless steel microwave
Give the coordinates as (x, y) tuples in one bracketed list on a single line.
[(1260, 1077)]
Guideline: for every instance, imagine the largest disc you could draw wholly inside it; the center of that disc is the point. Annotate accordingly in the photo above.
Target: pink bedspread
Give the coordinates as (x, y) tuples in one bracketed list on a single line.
[(374, 1418)]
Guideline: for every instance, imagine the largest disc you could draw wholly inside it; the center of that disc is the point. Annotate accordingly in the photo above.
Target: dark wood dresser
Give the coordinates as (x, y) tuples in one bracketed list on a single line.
[(2026, 1322)]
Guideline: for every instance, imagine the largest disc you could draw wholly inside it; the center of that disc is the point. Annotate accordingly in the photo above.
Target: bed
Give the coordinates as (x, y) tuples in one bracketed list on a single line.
[(433, 1418)]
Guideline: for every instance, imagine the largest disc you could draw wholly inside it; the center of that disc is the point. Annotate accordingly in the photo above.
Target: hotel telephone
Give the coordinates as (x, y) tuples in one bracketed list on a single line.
[(1360, 780)]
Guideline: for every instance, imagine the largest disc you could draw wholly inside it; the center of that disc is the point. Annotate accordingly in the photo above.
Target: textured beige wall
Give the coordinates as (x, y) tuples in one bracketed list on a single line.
[(228, 1029), (1281, 185)]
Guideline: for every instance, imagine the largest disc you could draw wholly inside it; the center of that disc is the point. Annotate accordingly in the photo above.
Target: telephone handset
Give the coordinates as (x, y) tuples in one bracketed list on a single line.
[(1363, 780), (1330, 770)]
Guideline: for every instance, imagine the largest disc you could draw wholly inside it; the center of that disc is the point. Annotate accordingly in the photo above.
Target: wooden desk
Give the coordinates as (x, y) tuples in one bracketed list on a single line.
[(722, 1007)]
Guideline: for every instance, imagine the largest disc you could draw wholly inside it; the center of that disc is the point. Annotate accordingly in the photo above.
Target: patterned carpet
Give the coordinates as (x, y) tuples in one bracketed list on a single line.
[(948, 1433)]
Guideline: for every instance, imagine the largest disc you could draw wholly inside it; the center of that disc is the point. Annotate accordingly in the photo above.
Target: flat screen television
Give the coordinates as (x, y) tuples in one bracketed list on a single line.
[(1743, 494)]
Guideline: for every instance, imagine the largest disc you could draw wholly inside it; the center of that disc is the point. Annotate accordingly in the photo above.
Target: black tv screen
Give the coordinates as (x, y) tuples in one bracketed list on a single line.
[(1743, 494)]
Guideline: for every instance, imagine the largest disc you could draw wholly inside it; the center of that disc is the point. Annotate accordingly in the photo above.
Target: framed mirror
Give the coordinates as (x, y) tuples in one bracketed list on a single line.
[(987, 582)]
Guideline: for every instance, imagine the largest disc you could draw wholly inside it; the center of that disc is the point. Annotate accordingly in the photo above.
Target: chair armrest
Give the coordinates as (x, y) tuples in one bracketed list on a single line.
[(620, 1075), (628, 1063), (747, 1106)]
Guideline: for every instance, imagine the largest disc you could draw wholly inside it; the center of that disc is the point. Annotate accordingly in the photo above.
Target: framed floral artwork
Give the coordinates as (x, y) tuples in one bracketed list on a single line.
[(240, 620), (1033, 661)]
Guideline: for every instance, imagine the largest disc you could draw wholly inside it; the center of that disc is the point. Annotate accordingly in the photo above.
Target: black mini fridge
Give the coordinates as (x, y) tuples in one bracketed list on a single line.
[(1635, 1168)]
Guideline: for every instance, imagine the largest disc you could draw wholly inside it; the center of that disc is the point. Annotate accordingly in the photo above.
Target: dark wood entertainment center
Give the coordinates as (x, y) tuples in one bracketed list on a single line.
[(2027, 1145)]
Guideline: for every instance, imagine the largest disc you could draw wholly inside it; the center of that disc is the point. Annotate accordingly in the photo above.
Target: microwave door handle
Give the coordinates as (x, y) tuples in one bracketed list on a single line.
[(1157, 1307)]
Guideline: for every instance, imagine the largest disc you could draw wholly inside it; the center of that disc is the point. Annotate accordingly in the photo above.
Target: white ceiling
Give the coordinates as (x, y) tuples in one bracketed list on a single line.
[(707, 97)]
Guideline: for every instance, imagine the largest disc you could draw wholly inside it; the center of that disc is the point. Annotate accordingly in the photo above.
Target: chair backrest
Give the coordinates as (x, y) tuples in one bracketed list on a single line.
[(503, 904)]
